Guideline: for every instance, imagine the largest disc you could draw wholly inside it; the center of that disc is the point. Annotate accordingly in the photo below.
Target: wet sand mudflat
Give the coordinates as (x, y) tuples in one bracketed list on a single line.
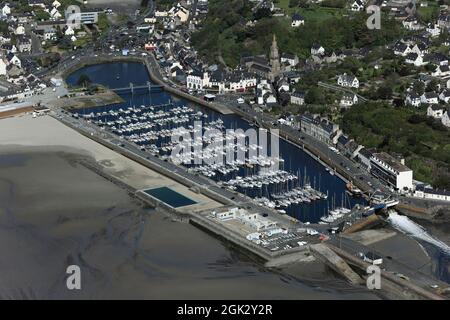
[(48, 134), (55, 212)]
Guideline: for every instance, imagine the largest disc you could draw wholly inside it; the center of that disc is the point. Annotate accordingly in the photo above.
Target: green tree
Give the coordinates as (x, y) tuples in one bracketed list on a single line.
[(84, 80)]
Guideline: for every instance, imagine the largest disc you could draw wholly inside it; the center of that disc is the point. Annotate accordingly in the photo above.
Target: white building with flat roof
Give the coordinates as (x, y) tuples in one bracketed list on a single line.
[(253, 220), (392, 171)]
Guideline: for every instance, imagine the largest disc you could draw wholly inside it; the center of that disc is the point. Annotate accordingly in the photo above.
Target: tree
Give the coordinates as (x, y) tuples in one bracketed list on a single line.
[(262, 13), (314, 96), (384, 92), (419, 87), (294, 3), (84, 80), (432, 85)]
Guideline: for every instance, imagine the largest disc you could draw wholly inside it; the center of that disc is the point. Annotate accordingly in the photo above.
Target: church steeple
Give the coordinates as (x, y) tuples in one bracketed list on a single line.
[(274, 49), (274, 59)]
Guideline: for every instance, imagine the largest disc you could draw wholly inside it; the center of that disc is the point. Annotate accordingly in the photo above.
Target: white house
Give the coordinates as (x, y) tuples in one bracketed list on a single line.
[(297, 20), (6, 10), (13, 59), (411, 23), (433, 29), (50, 34), (196, 80), (291, 59), (298, 98), (430, 98), (441, 71), (446, 118), (317, 50), (445, 95), (345, 80), (429, 193), (54, 14), (20, 30), (56, 4), (3, 65), (401, 49), (69, 31), (264, 93), (420, 49), (357, 5), (415, 59), (413, 99), (242, 84), (283, 86), (392, 171), (348, 100), (435, 111)]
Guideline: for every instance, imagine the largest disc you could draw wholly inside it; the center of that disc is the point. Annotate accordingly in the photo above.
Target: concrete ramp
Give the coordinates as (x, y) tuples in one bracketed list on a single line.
[(368, 237), (288, 259), (331, 259)]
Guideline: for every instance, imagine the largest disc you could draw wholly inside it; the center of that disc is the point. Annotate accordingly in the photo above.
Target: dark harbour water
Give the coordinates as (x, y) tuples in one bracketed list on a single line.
[(118, 75)]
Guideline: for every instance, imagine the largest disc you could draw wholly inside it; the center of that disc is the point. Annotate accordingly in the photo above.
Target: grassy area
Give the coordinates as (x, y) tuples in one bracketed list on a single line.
[(427, 14), (81, 42), (313, 13), (103, 22)]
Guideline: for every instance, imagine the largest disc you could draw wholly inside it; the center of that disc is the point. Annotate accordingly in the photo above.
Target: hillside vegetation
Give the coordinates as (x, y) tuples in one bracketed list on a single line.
[(229, 37)]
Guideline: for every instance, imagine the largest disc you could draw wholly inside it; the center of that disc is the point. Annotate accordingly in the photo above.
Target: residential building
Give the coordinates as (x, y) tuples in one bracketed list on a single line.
[(291, 59), (413, 99), (23, 44), (321, 129), (435, 111), (430, 98), (345, 80), (364, 156), (297, 20), (392, 171), (446, 118), (317, 50), (357, 5), (298, 98), (3, 65), (348, 99), (6, 10), (431, 194)]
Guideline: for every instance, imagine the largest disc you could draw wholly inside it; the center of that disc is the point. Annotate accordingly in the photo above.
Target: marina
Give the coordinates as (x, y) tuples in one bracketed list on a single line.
[(300, 186)]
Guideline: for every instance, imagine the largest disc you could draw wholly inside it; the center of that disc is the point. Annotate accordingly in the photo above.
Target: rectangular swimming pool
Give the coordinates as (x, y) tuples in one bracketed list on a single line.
[(170, 197)]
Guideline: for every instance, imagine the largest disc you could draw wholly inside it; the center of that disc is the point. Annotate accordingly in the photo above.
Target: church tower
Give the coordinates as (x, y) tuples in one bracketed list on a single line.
[(274, 60)]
